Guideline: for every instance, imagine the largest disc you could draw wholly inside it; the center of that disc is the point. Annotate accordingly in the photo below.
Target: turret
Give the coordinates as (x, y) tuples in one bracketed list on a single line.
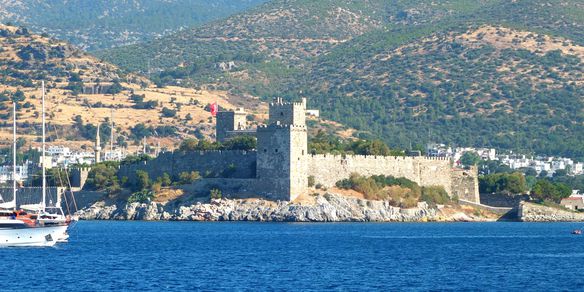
[(228, 122), (282, 150)]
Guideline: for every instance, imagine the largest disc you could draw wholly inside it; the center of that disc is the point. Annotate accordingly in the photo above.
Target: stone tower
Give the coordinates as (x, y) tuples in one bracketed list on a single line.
[(97, 147), (229, 121), (282, 151)]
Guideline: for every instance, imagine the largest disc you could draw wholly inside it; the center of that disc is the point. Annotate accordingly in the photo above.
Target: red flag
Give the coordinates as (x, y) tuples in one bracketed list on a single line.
[(214, 109)]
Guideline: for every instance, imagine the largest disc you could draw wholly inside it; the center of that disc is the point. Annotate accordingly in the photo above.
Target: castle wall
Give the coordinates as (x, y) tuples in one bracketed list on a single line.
[(33, 195), (79, 177), (502, 200), (207, 163), (328, 169), (229, 121), (233, 188), (465, 184)]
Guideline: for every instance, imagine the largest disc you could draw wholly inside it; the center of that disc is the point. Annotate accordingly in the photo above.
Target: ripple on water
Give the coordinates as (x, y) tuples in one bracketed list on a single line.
[(263, 256)]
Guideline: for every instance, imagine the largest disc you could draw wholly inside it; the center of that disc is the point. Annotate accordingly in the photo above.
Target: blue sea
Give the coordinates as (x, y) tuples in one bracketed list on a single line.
[(154, 256)]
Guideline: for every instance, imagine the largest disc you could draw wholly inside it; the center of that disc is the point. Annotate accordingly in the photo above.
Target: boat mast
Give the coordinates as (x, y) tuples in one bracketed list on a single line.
[(14, 153), (43, 153), (112, 136)]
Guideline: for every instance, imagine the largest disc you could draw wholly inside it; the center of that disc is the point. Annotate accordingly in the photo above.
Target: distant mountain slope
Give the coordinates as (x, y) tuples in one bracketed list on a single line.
[(280, 33), (98, 24), (497, 73), (488, 86), (83, 92)]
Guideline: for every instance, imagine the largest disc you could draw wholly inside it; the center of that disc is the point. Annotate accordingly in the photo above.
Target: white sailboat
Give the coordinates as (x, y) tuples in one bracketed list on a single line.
[(44, 226)]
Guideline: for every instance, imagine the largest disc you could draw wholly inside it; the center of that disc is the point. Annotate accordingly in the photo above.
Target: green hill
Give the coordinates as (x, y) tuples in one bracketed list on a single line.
[(99, 24), (505, 74)]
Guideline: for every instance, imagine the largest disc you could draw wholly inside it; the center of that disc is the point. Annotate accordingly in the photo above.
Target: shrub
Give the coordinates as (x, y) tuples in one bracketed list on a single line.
[(189, 177), (241, 143), (156, 187), (215, 194), (435, 195), (164, 180), (230, 170), (142, 180), (373, 188), (168, 113), (141, 196)]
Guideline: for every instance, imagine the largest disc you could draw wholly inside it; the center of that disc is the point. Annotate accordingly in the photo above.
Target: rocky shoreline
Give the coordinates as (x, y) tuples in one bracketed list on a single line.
[(325, 208), (530, 212)]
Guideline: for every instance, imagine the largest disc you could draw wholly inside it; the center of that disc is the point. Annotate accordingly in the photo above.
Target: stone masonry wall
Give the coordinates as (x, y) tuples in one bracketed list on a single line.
[(32, 195), (328, 169), (207, 163), (465, 184)]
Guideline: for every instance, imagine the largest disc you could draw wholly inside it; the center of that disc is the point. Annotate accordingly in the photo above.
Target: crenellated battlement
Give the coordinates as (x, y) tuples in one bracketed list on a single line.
[(378, 157), (278, 126), (278, 101), (293, 113)]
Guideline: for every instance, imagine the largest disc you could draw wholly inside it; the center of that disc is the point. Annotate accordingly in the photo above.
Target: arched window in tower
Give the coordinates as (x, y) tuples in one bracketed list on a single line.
[(282, 114)]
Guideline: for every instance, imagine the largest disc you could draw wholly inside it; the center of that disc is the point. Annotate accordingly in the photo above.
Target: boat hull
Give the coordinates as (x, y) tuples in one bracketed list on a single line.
[(33, 236)]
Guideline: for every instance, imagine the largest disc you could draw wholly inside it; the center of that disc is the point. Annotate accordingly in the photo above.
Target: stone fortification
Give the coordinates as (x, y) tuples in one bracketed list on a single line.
[(328, 169), (33, 195), (280, 168), (288, 113), (465, 184), (79, 177), (282, 153), (207, 163), (230, 124), (503, 200)]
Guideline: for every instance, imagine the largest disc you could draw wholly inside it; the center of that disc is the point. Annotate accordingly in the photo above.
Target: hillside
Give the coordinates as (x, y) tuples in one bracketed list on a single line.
[(259, 49), (99, 24), (83, 92), (81, 85), (495, 73)]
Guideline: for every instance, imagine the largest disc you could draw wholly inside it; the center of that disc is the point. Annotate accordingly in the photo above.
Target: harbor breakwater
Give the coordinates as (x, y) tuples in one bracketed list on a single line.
[(530, 212), (324, 208)]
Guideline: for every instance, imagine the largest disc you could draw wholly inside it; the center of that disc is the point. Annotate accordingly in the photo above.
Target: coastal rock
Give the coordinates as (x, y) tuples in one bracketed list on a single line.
[(530, 212), (326, 208)]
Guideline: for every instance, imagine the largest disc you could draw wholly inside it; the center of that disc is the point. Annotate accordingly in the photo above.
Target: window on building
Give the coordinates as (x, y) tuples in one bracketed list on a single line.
[(282, 113), (276, 150), (265, 150)]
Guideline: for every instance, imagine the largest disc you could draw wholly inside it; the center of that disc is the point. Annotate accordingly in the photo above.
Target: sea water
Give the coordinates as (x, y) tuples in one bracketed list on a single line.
[(121, 256)]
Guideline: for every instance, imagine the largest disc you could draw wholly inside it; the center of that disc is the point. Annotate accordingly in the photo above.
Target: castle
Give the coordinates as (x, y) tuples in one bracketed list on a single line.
[(280, 166)]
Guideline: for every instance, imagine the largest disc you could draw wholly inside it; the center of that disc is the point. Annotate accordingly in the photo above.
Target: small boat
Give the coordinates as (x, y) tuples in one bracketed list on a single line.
[(577, 231)]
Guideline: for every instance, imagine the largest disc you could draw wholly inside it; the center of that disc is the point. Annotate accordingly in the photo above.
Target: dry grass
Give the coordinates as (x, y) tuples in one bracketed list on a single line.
[(505, 38)]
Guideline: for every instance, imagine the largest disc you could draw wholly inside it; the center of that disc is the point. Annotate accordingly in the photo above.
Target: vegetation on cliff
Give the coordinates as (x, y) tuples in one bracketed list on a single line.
[(400, 192)]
